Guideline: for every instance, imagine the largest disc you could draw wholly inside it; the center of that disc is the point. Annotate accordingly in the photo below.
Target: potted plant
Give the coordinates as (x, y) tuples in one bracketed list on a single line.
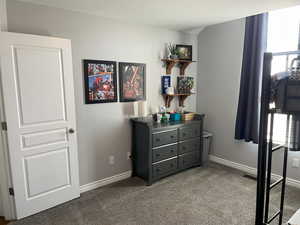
[(173, 52)]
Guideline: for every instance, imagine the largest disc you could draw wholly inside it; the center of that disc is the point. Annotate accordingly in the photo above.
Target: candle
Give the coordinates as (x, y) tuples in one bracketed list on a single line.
[(143, 108), (135, 109)]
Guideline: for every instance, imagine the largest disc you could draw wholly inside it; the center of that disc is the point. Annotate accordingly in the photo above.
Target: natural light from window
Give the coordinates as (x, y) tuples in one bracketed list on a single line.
[(283, 29), (283, 34)]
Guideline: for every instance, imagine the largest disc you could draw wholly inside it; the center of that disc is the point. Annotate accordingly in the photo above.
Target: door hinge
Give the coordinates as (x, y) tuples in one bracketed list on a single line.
[(11, 191), (3, 125)]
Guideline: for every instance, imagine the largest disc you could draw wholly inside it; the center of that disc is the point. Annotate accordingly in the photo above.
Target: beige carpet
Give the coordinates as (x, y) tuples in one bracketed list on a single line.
[(213, 195)]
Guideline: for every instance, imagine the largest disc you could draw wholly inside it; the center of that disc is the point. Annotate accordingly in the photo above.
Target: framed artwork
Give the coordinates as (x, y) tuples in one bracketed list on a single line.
[(185, 84), (185, 52), (132, 81), (165, 83), (100, 79)]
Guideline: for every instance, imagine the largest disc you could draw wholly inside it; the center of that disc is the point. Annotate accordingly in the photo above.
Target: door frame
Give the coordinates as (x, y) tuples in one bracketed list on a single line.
[(5, 176), (7, 200)]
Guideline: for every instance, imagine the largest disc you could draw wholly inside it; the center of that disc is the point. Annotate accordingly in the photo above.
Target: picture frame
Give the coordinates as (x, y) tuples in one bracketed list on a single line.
[(165, 83), (185, 52), (185, 84), (100, 79), (132, 81)]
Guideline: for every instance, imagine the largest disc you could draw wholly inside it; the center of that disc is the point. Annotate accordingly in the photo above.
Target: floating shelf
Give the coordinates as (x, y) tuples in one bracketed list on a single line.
[(170, 63), (181, 97)]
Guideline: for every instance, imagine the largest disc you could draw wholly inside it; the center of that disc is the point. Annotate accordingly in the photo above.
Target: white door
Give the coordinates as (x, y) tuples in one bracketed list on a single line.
[(37, 82)]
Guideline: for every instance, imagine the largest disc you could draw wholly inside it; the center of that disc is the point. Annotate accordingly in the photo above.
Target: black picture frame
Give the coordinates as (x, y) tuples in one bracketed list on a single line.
[(126, 73), (106, 70), (185, 52)]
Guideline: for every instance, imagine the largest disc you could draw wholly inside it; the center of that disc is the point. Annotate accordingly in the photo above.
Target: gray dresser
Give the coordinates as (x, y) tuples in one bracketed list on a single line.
[(159, 150)]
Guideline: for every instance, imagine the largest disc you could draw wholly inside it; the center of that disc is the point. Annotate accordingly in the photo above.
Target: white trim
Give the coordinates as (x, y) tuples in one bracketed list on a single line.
[(238, 166), (251, 170), (105, 181), (7, 201), (5, 178)]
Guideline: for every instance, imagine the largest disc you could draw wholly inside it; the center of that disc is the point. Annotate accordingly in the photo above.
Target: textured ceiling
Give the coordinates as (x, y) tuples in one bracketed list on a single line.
[(172, 14)]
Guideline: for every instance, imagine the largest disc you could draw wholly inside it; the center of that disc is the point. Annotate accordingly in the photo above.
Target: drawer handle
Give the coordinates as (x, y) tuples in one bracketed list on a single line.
[(172, 150), (157, 155), (172, 136), (157, 139)]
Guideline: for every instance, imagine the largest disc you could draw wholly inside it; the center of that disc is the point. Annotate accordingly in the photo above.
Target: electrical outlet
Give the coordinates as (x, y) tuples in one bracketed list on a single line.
[(128, 155), (295, 163), (111, 160)]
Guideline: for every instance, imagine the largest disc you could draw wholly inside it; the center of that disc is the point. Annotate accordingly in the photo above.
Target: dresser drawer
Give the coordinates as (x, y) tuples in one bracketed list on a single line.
[(189, 146), (189, 132), (188, 160), (162, 153), (164, 138), (164, 168)]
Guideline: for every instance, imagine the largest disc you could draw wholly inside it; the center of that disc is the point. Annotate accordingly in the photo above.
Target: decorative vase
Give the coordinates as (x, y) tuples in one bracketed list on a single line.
[(174, 56)]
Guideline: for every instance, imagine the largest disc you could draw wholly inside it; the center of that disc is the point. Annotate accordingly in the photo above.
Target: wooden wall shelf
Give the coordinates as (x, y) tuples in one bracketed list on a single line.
[(170, 63), (181, 97)]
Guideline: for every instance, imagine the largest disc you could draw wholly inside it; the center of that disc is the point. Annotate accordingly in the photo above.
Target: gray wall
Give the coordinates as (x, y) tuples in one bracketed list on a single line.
[(103, 129), (3, 15), (220, 57)]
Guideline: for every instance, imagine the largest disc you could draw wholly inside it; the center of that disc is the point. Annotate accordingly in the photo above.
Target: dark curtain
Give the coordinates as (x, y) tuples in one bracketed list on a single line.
[(255, 43)]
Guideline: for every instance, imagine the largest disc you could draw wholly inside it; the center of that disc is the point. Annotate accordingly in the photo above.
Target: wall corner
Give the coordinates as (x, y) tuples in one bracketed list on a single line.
[(3, 15)]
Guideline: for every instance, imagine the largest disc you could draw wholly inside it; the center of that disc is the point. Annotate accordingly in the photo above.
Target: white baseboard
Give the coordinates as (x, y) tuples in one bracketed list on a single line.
[(225, 162), (251, 170), (238, 166), (105, 181)]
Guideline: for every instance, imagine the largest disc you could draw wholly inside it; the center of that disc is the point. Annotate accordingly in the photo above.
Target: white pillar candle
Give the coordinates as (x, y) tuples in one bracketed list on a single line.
[(143, 108), (135, 106)]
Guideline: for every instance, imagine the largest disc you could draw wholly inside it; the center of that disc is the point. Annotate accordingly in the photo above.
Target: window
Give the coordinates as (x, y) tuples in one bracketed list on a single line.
[(283, 29), (283, 35)]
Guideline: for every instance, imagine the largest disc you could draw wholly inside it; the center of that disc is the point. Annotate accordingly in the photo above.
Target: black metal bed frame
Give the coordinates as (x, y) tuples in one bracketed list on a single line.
[(266, 148)]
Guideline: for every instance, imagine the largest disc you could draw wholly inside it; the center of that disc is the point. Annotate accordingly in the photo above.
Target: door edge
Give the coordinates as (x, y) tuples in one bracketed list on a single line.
[(5, 176)]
